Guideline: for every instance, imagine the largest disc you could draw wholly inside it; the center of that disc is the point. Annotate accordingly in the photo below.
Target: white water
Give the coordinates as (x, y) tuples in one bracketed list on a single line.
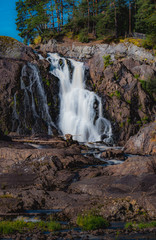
[(80, 110), (15, 117), (31, 82)]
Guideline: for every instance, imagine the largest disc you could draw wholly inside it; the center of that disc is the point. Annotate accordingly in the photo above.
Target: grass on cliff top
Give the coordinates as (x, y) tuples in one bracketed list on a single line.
[(141, 225), (9, 227), (91, 222)]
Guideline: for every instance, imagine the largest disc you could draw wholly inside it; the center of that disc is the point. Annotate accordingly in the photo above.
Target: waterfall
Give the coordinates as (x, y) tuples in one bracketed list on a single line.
[(33, 111), (80, 110), (15, 117)]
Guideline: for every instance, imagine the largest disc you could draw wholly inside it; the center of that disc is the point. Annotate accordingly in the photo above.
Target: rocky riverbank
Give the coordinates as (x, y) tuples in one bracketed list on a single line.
[(40, 173), (58, 176)]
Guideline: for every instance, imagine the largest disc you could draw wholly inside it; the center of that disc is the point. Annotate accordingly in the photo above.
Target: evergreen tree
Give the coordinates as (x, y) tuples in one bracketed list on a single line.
[(49, 18), (146, 21), (146, 16), (32, 18)]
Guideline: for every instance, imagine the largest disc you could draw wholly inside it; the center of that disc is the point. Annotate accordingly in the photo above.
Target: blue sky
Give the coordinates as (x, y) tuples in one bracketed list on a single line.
[(7, 19)]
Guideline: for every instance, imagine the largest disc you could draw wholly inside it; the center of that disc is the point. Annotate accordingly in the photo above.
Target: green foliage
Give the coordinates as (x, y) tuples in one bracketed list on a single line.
[(6, 132), (117, 94), (53, 226), (149, 42), (107, 60), (105, 19), (116, 77), (47, 82), (111, 94), (146, 22), (136, 76), (91, 222), (49, 104), (121, 125), (141, 225), (83, 36), (129, 225), (139, 123), (145, 119), (9, 227), (145, 17), (6, 196), (37, 40), (128, 101), (149, 86)]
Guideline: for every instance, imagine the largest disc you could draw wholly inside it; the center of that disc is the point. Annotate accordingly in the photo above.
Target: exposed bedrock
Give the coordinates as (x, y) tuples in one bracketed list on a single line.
[(59, 177), (144, 142), (124, 81), (20, 98)]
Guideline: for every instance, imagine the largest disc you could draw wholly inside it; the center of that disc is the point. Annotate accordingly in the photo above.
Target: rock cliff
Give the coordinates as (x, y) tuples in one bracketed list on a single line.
[(123, 75)]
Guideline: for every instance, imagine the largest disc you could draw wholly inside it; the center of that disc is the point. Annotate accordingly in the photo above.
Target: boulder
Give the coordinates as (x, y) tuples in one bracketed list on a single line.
[(144, 142), (4, 137), (11, 48), (113, 154)]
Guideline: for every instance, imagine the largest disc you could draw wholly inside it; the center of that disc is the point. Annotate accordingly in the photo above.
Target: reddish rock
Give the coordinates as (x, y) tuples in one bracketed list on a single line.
[(134, 165), (11, 48), (113, 154), (144, 142)]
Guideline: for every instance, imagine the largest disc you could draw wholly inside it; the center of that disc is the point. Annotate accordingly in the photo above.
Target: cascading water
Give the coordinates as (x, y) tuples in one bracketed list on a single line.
[(80, 110), (35, 110)]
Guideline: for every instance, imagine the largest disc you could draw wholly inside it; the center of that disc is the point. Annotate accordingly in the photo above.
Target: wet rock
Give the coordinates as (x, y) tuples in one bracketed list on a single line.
[(113, 154), (127, 104), (4, 137), (10, 71), (69, 139)]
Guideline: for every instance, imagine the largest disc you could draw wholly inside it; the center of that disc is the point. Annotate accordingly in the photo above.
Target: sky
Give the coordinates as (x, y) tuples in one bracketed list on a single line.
[(8, 18)]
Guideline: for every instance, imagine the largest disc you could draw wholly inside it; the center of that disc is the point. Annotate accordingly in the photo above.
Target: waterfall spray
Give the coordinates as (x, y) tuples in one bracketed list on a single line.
[(80, 110)]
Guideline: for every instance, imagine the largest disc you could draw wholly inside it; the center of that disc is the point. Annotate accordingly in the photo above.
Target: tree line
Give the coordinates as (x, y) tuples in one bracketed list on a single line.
[(101, 18)]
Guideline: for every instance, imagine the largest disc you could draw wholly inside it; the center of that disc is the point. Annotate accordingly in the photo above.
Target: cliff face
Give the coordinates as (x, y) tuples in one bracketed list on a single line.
[(13, 56), (16, 60), (123, 75)]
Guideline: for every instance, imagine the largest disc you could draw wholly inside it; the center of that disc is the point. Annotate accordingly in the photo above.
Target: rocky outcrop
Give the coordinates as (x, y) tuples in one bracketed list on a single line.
[(15, 60), (124, 81), (85, 51), (127, 102), (11, 48), (144, 142), (57, 176)]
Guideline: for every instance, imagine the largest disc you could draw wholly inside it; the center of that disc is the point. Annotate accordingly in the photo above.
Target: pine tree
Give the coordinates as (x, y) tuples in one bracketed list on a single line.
[(103, 18), (32, 18), (146, 16)]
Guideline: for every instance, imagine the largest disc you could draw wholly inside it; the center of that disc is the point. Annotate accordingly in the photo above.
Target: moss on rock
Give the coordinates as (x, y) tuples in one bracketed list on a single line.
[(10, 47)]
